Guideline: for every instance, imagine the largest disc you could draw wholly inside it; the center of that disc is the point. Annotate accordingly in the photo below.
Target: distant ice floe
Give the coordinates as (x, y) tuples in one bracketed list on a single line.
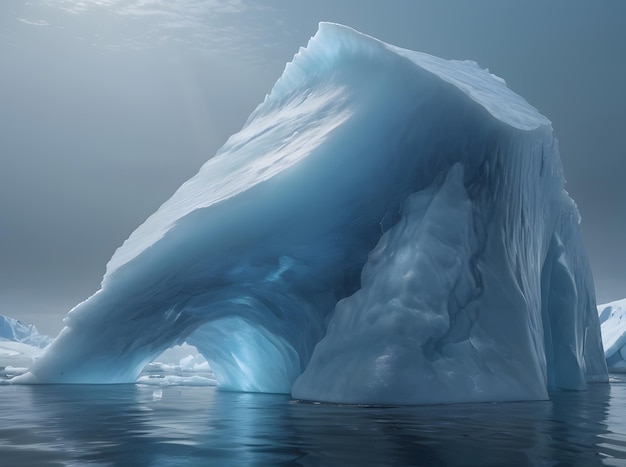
[(16, 358), (612, 317), (171, 368), (20, 345)]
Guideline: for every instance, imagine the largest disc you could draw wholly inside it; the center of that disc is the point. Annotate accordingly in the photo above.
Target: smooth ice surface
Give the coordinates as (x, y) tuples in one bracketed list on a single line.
[(387, 227), (613, 325)]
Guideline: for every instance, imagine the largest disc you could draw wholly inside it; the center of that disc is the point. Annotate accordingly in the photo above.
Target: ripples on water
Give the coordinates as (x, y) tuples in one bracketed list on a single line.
[(141, 425)]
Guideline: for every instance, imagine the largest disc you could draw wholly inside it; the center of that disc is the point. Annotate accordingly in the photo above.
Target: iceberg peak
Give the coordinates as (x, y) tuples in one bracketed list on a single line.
[(334, 42)]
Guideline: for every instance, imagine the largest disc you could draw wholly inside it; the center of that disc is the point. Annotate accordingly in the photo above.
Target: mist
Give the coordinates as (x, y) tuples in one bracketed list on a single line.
[(108, 106)]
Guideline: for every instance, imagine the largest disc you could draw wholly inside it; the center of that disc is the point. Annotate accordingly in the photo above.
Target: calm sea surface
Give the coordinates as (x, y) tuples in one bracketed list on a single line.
[(142, 425)]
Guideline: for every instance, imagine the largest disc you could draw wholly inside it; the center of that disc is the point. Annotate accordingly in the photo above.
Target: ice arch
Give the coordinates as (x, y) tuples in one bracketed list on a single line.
[(401, 214)]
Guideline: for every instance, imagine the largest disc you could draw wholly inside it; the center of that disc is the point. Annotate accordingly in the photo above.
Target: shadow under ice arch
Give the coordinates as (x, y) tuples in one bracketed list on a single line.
[(388, 227)]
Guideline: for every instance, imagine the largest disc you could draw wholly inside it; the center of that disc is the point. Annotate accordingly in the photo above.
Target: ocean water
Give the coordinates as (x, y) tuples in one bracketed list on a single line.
[(137, 425)]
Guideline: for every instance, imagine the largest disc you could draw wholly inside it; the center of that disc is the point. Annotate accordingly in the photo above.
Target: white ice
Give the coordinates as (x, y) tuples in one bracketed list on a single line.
[(20, 344), (613, 324), (180, 365), (15, 331), (16, 355), (387, 227)]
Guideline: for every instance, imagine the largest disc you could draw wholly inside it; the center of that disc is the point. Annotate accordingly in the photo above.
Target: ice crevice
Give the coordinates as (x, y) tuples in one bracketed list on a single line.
[(387, 227)]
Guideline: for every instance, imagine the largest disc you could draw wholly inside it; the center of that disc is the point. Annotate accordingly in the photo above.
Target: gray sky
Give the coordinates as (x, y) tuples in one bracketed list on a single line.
[(107, 106)]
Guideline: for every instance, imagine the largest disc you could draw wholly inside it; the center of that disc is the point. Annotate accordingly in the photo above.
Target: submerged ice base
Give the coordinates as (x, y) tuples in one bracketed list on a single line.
[(387, 227)]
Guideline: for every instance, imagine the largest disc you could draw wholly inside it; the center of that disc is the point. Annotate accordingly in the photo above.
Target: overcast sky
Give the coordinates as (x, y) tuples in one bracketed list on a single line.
[(107, 106)]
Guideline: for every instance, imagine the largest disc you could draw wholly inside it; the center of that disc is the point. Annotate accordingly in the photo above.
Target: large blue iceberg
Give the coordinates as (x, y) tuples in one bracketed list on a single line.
[(387, 227)]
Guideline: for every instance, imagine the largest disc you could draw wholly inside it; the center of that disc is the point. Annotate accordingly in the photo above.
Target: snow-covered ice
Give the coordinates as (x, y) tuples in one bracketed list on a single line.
[(613, 324), (387, 227), (14, 330), (181, 365), (20, 345), (16, 355)]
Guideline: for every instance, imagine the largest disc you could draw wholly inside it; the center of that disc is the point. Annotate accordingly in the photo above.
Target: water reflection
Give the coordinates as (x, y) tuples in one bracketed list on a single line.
[(134, 425)]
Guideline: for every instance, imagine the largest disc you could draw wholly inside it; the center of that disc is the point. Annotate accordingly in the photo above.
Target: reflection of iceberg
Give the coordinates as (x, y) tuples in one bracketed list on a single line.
[(613, 324), (420, 191)]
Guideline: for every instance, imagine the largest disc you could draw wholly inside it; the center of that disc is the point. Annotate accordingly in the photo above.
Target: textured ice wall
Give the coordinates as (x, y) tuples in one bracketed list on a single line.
[(402, 214)]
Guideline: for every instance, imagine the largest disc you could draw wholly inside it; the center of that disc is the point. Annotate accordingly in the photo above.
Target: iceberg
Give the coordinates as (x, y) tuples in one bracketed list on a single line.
[(613, 327), (388, 227), (13, 330), (20, 344)]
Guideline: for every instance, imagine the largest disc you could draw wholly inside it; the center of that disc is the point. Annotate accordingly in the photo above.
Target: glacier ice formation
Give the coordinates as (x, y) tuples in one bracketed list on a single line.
[(20, 344), (13, 330), (613, 327), (387, 227)]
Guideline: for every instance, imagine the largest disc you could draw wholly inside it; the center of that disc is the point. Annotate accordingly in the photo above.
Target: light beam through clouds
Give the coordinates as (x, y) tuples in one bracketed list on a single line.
[(211, 26)]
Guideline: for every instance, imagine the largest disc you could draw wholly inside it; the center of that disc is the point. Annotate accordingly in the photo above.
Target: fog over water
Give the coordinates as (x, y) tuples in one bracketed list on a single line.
[(106, 107)]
